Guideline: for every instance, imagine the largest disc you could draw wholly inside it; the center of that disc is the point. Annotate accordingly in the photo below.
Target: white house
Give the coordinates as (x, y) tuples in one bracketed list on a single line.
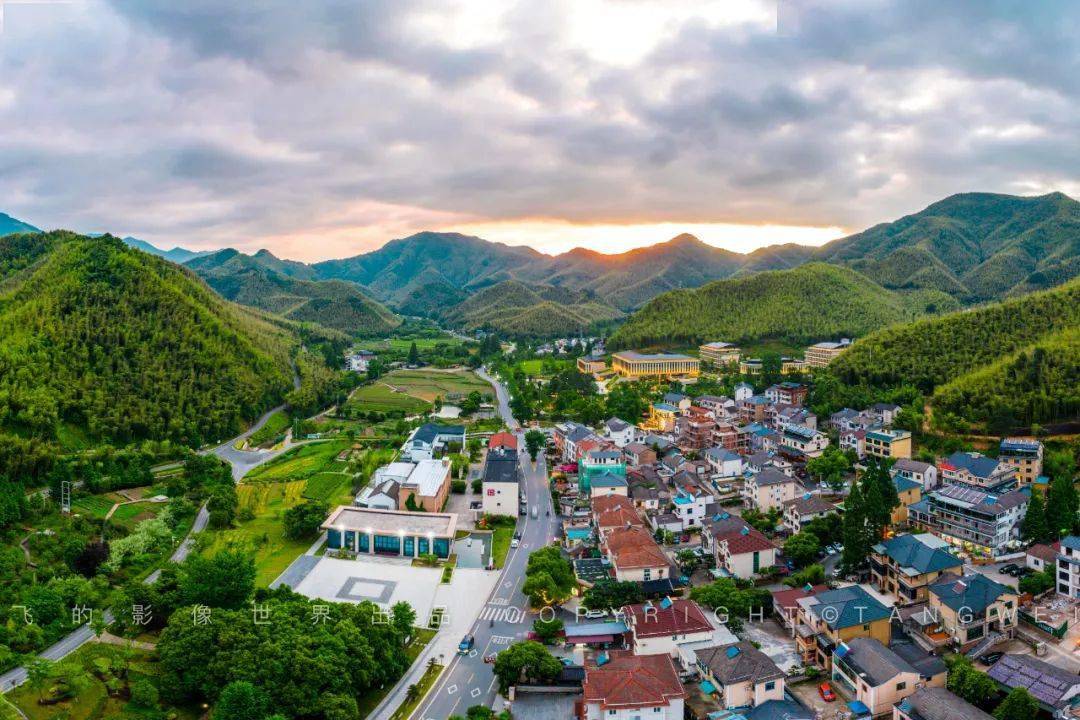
[(620, 685), (724, 462), (619, 432), (501, 482), (659, 628), (767, 489), (923, 473), (429, 439)]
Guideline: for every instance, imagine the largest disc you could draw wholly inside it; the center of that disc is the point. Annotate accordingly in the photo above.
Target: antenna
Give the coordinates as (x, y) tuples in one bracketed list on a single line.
[(65, 496)]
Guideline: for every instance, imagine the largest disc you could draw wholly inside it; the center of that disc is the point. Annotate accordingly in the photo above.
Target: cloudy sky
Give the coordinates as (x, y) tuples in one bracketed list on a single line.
[(324, 129)]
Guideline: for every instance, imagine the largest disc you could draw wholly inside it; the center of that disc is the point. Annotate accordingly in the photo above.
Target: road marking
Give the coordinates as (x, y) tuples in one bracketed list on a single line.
[(501, 601), (510, 614), (452, 689), (475, 692), (501, 639)]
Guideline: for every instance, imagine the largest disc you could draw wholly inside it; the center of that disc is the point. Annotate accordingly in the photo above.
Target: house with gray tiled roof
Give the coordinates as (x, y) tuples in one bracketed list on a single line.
[(935, 703), (984, 524), (741, 674), (824, 620), (978, 471), (805, 508), (904, 566), (973, 608), (879, 677)]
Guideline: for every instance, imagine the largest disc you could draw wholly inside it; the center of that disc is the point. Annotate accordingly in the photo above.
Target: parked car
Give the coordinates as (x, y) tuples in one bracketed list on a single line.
[(830, 551), (466, 645), (1009, 569), (826, 692), (593, 614), (516, 540), (991, 658)]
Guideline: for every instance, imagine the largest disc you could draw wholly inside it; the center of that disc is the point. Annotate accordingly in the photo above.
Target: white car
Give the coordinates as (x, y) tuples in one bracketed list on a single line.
[(593, 614), (830, 550), (514, 543)]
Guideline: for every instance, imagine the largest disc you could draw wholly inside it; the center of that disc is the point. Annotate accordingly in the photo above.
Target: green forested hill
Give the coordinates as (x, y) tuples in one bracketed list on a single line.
[(127, 346), (1017, 358), (265, 282), (810, 303), (976, 246), (517, 308)]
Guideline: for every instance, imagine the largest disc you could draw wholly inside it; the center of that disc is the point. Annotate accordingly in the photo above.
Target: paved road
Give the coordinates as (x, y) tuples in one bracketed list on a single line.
[(502, 397), (468, 680)]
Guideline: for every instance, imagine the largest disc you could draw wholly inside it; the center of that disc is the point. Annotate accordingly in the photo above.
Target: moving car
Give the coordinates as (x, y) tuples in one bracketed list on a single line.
[(466, 645), (516, 540), (535, 511), (826, 692)]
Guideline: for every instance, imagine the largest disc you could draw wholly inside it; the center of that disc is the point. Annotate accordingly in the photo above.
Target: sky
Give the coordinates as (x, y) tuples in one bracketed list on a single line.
[(325, 129)]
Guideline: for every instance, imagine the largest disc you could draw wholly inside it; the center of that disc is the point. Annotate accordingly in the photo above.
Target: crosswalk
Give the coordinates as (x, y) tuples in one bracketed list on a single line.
[(502, 613)]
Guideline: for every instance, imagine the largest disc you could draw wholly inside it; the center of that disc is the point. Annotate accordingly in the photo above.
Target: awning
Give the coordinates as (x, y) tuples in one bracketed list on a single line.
[(858, 707), (707, 687), (589, 639)]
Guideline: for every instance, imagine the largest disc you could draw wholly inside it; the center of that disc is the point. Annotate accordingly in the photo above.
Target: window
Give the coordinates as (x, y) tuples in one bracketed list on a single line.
[(612, 712), (770, 685), (901, 686), (647, 574), (865, 627)]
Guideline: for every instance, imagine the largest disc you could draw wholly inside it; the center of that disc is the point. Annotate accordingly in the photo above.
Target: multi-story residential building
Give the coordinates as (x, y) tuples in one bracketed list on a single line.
[(501, 481), (567, 436), (427, 486), (909, 492), (820, 354), (936, 703), (694, 431), (1068, 567), (430, 440), (791, 365), (716, 404), (792, 415), (661, 418), (631, 364), (1024, 456), (742, 675), (660, 628), (691, 505), (786, 606), (906, 565), (854, 440), (637, 453), (719, 353), (744, 553), (619, 432), (754, 409), (787, 393), (680, 401), (879, 677), (724, 463), (620, 685), (827, 619), (805, 508), (802, 442), (590, 364), (635, 556), (972, 608), (924, 474), (743, 391), (977, 522), (884, 413), (888, 443), (731, 437), (601, 469), (977, 471), (767, 489)]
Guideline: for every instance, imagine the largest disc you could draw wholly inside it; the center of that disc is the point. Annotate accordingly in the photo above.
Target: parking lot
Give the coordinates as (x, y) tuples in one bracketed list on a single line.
[(379, 580), (807, 693)]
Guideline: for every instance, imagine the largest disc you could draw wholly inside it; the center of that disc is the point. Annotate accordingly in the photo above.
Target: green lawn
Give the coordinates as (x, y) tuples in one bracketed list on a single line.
[(97, 506), (131, 515), (93, 702), (500, 544), (275, 426), (330, 487), (302, 462), (536, 366), (431, 674)]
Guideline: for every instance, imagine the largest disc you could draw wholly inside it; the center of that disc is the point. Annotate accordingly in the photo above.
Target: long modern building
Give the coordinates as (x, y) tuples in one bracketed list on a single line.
[(719, 353), (373, 531), (632, 364), (820, 354)]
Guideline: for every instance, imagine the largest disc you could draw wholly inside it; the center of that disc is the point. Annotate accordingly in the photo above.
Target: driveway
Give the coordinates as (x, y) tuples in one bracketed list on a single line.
[(774, 641)]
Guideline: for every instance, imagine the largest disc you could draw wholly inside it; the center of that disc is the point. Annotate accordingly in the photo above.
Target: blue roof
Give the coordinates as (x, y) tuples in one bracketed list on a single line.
[(597, 628), (578, 533), (973, 593), (1071, 541), (902, 483), (978, 465), (858, 707), (910, 551), (850, 606), (607, 480), (665, 407), (779, 710)]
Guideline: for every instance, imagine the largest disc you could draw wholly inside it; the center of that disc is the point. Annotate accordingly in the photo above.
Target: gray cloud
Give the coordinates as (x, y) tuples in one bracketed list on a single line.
[(233, 123)]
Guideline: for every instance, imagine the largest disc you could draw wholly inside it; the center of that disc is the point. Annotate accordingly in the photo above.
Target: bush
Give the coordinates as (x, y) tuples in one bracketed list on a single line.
[(477, 485), (144, 694), (458, 487)]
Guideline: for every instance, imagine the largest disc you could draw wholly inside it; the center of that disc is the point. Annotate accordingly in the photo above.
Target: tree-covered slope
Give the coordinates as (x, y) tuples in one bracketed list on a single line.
[(810, 303), (263, 281), (976, 246), (1018, 356), (128, 346), (515, 308), (10, 226)]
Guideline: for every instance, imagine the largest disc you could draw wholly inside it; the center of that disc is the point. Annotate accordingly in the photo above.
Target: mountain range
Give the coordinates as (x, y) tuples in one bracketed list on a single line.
[(973, 247)]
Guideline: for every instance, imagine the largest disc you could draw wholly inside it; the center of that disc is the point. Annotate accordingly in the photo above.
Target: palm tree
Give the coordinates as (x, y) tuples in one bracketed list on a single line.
[(412, 693)]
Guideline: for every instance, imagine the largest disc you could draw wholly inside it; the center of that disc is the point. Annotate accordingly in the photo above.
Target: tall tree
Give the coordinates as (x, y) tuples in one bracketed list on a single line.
[(1017, 705), (856, 545), (1062, 504), (886, 498), (414, 354), (1035, 529)]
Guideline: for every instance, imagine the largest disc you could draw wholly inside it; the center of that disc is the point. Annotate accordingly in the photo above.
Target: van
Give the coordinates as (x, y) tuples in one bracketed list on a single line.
[(535, 511)]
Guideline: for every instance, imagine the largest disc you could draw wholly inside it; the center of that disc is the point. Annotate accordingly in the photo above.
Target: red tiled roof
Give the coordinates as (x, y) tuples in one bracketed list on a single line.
[(684, 616), (784, 599), (503, 439), (631, 681), (1046, 553), (615, 511), (738, 543), (634, 547)]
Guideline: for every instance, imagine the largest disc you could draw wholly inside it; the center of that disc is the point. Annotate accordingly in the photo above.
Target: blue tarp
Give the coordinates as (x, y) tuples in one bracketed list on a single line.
[(600, 628), (858, 707), (707, 687)]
